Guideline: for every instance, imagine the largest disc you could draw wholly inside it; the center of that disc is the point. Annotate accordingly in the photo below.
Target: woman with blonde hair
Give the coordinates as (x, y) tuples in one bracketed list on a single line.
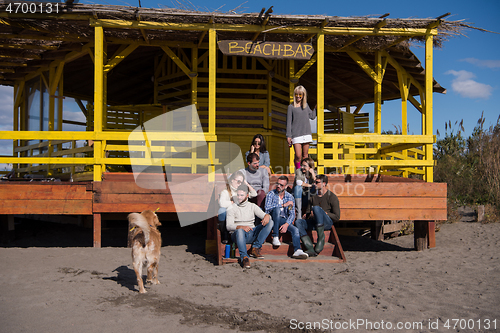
[(298, 129), (228, 196)]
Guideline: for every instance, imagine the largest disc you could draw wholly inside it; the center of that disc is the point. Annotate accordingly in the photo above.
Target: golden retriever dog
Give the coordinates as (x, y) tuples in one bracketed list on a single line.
[(145, 240)]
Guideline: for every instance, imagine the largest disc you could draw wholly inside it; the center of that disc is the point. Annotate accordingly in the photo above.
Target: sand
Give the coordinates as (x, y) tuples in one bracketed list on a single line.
[(383, 284)]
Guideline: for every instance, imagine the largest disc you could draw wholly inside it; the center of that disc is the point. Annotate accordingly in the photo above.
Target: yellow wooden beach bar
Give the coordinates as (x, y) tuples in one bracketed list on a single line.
[(121, 67)]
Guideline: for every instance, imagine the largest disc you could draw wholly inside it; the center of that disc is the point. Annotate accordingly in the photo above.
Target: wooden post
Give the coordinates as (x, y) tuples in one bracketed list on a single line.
[(377, 126), (97, 230), (98, 98), (7, 228), (377, 230), (320, 89), (429, 84), (431, 231), (194, 102), (212, 71), (420, 235)]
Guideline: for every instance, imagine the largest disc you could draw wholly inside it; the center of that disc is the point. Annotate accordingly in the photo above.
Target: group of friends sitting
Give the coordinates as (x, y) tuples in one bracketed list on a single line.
[(249, 211)]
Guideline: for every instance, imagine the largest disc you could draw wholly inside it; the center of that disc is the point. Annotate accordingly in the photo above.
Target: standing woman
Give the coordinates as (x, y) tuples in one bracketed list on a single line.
[(298, 129), (258, 146)]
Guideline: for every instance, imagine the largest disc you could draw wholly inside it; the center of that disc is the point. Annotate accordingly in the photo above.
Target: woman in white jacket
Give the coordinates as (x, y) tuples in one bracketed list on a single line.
[(228, 196)]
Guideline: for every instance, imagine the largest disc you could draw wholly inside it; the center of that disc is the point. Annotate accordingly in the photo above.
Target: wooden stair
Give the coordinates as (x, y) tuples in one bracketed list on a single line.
[(332, 252)]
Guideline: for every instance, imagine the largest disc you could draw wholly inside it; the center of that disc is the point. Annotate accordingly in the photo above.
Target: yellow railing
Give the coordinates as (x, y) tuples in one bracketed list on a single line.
[(151, 149), (358, 153)]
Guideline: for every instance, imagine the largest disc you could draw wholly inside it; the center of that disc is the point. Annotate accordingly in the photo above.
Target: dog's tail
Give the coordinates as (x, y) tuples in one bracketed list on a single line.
[(136, 220)]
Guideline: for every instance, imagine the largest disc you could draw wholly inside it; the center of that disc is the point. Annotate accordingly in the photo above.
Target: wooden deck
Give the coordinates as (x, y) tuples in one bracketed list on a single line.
[(373, 199), (362, 198)]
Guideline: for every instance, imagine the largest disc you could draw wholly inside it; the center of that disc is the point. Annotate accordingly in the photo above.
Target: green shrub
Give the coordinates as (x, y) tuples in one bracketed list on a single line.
[(470, 167)]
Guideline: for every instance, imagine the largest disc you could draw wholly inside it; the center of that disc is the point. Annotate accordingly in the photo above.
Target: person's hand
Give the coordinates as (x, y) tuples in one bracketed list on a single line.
[(304, 216), (288, 203), (246, 228), (311, 171), (265, 220), (289, 140), (284, 228), (252, 148)]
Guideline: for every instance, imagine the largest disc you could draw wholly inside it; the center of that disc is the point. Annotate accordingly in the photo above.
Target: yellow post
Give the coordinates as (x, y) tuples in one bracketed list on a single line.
[(98, 97), (60, 94), (212, 71), (320, 89), (377, 128), (293, 82), (194, 102), (268, 116), (429, 177), (404, 88)]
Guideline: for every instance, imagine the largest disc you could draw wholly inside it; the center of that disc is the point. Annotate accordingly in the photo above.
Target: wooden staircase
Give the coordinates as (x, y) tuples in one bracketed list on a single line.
[(332, 252)]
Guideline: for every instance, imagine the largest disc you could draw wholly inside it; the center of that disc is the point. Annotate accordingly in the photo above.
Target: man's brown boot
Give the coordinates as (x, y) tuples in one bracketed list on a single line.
[(245, 263), (256, 253)]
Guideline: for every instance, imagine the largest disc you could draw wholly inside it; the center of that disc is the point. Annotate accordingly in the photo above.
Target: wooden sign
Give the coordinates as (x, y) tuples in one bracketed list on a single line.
[(271, 50)]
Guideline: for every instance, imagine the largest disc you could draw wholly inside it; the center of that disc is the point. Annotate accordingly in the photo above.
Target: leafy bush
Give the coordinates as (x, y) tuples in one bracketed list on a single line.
[(470, 167)]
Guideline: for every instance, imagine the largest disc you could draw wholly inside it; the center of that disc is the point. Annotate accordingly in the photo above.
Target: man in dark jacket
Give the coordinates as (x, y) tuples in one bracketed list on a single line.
[(323, 209)]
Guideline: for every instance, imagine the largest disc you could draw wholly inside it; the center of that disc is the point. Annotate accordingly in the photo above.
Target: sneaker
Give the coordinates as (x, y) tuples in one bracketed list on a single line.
[(255, 252), (245, 262), (299, 254), (276, 241)]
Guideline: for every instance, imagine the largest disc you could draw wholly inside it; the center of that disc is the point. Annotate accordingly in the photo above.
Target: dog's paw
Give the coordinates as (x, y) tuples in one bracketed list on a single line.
[(143, 291)]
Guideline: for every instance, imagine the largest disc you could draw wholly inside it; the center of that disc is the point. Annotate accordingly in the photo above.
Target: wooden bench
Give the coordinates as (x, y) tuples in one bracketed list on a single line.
[(367, 198)]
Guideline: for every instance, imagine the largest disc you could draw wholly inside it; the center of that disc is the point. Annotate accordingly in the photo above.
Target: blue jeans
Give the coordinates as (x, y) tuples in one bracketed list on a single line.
[(320, 218), (222, 214), (279, 221), (257, 236)]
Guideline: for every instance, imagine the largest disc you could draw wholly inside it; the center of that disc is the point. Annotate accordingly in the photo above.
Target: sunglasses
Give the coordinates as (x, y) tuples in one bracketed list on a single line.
[(256, 143), (238, 181), (318, 182), (278, 184)]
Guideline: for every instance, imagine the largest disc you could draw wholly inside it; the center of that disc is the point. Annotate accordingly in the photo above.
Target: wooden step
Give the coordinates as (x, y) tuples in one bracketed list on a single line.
[(284, 258), (332, 251), (285, 251)]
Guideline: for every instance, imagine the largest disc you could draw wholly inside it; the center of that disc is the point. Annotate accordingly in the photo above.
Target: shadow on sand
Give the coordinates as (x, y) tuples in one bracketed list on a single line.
[(364, 244)]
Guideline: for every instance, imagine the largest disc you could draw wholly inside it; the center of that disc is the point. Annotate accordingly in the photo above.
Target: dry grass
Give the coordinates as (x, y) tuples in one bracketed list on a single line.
[(471, 167)]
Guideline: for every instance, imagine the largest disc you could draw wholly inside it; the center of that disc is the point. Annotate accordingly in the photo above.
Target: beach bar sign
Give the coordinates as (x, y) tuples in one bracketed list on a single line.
[(271, 50)]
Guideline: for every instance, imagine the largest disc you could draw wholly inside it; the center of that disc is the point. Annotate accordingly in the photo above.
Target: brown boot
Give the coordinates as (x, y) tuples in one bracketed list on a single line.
[(245, 263), (256, 253)]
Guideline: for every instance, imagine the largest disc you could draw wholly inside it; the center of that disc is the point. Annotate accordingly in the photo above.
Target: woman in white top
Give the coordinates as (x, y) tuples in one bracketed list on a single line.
[(228, 196)]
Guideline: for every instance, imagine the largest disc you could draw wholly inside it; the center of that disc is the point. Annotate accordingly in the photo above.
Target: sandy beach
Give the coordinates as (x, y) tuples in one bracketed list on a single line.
[(383, 286)]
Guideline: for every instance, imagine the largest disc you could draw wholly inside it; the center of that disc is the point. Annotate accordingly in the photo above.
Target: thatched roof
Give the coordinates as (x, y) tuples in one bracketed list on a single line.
[(28, 42)]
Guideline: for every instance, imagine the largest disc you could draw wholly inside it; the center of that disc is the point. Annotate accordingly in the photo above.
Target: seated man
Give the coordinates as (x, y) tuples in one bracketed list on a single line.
[(280, 205), (257, 177), (241, 219), (322, 211)]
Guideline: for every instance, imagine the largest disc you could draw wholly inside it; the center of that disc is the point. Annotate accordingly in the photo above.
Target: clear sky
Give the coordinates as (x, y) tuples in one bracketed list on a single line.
[(467, 66)]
